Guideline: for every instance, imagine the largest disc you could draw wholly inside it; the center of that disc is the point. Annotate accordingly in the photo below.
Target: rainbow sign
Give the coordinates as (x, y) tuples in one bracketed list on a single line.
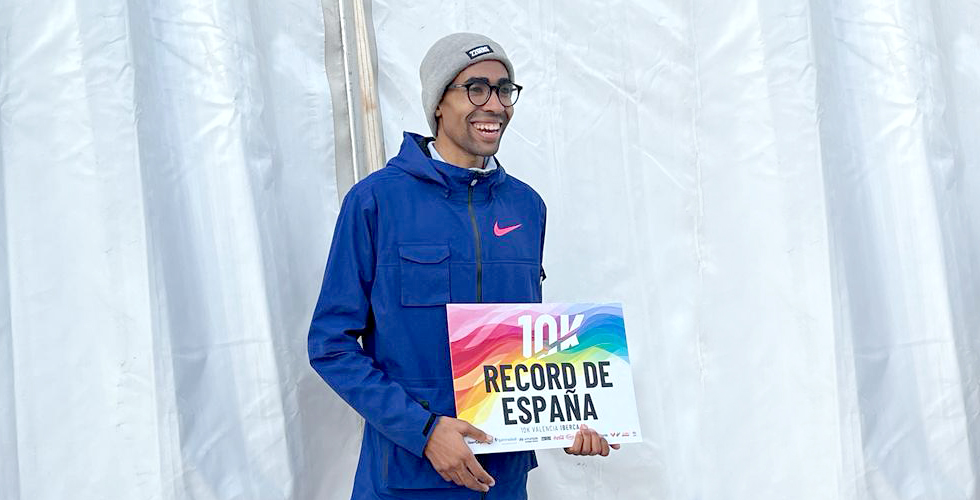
[(530, 374)]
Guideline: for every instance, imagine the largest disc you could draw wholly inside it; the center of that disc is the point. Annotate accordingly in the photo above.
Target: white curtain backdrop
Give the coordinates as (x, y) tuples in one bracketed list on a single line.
[(785, 195), (168, 198)]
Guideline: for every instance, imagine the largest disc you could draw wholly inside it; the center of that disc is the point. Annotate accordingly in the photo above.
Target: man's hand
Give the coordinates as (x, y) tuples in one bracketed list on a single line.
[(452, 459), (589, 442)]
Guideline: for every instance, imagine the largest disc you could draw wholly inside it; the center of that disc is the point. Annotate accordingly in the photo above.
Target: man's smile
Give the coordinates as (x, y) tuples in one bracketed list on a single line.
[(488, 130)]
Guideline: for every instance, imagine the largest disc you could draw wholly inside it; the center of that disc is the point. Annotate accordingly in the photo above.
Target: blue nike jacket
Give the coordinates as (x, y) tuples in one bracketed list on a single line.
[(410, 238)]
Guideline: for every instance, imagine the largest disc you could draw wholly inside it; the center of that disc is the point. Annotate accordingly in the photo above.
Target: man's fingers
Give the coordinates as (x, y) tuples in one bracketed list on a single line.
[(463, 477), (452, 459), (576, 446), (473, 484), (478, 472), (458, 478), (470, 481), (587, 443), (596, 442), (477, 434)]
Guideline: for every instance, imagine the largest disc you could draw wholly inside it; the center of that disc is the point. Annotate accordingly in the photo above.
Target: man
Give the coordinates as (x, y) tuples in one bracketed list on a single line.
[(442, 222)]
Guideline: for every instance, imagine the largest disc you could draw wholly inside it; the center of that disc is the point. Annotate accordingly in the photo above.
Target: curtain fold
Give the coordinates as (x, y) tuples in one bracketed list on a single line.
[(785, 195), (169, 192)]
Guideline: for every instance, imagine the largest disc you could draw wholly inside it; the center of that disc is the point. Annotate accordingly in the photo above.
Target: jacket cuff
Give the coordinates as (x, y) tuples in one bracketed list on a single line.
[(412, 437), (430, 426), (427, 430)]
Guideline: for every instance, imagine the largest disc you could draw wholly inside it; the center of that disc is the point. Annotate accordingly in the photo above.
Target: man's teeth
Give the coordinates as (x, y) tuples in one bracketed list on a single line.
[(487, 127)]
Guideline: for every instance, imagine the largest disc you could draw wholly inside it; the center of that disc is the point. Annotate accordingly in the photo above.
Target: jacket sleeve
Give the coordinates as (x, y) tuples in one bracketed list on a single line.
[(342, 314), (544, 222)]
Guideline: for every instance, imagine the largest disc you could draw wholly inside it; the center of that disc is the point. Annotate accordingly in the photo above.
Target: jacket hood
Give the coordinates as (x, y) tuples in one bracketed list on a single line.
[(413, 160)]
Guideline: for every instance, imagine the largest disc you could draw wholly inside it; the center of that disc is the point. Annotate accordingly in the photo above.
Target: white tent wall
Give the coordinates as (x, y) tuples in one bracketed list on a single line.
[(901, 171), (785, 194), (169, 195)]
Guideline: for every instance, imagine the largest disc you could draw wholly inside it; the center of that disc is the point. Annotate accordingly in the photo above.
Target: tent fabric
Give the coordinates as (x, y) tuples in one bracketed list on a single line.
[(168, 198), (785, 195)]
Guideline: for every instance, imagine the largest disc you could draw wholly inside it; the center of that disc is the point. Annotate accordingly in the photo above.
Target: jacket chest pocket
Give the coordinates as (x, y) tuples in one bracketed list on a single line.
[(424, 274)]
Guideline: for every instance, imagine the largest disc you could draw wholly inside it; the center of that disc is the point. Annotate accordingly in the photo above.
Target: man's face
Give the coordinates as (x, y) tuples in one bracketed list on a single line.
[(474, 130)]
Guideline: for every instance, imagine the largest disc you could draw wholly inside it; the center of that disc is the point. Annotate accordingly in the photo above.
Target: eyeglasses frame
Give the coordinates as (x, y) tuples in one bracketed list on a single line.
[(493, 89)]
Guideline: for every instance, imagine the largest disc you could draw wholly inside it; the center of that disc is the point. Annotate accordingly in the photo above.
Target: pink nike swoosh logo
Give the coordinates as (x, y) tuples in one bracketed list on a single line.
[(500, 231)]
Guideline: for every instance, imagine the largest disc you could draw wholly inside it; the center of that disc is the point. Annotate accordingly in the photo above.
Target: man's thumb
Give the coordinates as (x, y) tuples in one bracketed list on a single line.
[(477, 434)]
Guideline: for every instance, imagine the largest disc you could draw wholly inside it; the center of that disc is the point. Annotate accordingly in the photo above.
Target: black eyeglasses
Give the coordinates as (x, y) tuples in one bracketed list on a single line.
[(478, 92)]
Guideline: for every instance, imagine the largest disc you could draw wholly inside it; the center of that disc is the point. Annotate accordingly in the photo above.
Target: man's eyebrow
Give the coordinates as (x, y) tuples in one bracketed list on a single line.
[(483, 79)]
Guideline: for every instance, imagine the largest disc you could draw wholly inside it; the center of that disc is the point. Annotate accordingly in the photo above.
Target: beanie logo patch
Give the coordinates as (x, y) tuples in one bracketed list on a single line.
[(479, 51)]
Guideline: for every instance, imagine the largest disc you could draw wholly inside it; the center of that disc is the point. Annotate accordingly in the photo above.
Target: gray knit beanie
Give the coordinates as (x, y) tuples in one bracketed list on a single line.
[(446, 58)]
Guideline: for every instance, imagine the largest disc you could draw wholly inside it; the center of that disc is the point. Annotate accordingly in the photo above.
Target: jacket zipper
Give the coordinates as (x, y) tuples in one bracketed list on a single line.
[(479, 251), (479, 255)]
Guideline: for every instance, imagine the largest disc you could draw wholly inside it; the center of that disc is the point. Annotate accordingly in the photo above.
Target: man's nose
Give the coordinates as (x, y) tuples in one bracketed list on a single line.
[(494, 103)]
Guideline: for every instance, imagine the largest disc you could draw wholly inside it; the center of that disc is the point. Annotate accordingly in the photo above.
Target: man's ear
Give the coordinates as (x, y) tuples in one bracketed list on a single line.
[(438, 112)]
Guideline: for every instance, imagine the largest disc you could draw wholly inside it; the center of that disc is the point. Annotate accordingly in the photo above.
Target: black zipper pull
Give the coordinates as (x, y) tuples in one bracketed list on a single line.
[(476, 243)]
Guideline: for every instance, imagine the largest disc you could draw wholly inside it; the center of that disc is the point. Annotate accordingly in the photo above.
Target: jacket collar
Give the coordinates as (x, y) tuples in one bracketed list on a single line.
[(413, 158)]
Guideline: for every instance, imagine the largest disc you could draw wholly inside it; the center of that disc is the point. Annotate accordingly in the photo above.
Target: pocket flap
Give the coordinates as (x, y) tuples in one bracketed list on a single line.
[(424, 254)]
